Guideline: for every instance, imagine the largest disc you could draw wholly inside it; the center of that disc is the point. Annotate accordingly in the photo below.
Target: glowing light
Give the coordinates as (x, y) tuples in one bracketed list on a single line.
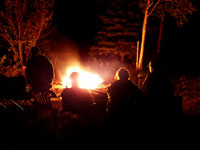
[(87, 80)]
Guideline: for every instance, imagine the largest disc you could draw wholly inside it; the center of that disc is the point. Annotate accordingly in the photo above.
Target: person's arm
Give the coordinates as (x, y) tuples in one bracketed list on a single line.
[(145, 84)]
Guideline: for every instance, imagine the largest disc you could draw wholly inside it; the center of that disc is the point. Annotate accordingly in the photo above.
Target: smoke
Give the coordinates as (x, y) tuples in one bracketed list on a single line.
[(62, 52)]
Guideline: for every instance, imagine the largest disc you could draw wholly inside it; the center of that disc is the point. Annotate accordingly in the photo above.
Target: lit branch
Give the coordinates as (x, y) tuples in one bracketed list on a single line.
[(154, 7)]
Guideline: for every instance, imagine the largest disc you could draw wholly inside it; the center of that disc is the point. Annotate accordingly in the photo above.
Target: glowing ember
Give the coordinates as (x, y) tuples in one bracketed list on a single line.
[(87, 80)]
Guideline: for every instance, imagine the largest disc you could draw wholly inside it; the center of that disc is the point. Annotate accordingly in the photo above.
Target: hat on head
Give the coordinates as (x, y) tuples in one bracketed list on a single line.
[(155, 63)]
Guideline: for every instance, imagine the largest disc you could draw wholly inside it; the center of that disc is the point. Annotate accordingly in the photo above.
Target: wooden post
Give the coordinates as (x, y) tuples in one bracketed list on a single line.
[(137, 55)]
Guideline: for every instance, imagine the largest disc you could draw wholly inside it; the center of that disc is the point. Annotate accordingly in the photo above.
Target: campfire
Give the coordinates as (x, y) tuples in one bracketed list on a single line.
[(87, 79)]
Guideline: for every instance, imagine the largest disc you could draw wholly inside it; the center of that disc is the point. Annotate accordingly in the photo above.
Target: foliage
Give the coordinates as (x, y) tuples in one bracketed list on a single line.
[(12, 71), (2, 60), (22, 22), (179, 9), (118, 32), (188, 87)]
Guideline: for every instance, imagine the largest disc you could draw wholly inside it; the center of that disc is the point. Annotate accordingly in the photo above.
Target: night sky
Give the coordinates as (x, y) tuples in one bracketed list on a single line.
[(79, 21)]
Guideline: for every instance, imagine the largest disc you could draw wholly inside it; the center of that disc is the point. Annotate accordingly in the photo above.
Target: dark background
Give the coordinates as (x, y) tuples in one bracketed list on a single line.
[(79, 21)]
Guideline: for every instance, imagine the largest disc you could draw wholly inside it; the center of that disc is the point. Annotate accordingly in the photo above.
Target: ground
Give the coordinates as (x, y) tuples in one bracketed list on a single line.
[(21, 131)]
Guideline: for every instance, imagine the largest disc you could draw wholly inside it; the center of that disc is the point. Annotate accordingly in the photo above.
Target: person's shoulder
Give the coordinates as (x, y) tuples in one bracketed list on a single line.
[(30, 60), (66, 90), (133, 86), (114, 84), (130, 83), (39, 57), (35, 59), (44, 60), (42, 57), (83, 91)]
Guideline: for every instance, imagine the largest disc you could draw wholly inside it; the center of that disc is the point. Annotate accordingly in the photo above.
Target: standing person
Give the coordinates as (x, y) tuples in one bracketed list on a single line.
[(123, 96), (157, 84), (159, 91)]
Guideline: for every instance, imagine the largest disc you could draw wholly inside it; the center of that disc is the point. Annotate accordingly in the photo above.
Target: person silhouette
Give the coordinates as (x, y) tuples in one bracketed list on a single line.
[(75, 99), (159, 91), (39, 71), (124, 96), (157, 84), (39, 74)]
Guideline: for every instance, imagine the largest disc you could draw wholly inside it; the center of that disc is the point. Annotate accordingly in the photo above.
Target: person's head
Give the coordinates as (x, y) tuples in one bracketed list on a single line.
[(74, 79), (123, 74), (150, 67), (35, 51), (154, 64)]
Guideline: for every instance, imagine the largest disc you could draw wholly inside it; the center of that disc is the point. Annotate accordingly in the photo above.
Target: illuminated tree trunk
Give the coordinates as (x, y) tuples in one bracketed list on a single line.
[(144, 28), (20, 53), (160, 34)]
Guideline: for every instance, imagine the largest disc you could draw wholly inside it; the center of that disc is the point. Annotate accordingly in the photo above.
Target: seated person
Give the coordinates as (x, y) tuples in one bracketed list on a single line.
[(39, 71), (39, 74), (123, 95), (75, 99)]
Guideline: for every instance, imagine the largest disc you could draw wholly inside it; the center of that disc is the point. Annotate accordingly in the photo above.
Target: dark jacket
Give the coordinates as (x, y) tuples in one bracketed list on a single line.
[(39, 72), (157, 84), (123, 94), (76, 100)]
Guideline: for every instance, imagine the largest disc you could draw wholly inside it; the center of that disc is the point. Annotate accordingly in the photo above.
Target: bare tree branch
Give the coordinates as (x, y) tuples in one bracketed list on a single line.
[(22, 22), (154, 7)]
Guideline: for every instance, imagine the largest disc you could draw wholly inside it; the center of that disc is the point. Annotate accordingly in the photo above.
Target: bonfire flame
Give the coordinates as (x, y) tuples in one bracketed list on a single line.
[(87, 80)]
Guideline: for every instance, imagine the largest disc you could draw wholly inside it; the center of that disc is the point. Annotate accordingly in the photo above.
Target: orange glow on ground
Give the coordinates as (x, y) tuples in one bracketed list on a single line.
[(87, 80)]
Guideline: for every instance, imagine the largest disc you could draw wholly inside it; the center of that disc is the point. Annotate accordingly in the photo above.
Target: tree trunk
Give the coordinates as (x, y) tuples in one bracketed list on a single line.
[(20, 53), (160, 33), (144, 28), (122, 55)]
